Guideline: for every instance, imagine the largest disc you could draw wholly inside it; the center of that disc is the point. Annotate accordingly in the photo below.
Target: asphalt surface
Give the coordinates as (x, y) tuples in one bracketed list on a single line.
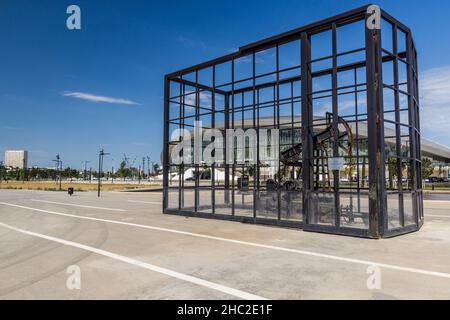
[(125, 248)]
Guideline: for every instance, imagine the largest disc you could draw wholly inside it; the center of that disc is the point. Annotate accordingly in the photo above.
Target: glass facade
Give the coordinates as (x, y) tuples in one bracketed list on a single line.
[(344, 99)]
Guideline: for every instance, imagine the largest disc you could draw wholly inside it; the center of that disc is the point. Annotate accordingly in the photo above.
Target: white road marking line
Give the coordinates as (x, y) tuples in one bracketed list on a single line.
[(127, 193), (138, 263), (435, 216), (78, 205), (149, 202), (253, 244)]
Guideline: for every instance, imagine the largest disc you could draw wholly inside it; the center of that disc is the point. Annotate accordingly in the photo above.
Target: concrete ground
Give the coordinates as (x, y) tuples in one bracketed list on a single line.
[(125, 248)]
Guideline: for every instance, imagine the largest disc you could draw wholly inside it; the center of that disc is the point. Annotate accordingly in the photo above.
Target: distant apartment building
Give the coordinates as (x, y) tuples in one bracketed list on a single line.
[(16, 159)]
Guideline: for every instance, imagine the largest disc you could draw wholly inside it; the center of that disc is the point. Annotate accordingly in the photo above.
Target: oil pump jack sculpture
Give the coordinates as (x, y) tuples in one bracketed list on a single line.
[(292, 158)]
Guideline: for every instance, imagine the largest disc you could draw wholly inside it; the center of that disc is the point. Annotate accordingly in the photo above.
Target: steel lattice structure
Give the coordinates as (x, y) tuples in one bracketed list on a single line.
[(335, 89)]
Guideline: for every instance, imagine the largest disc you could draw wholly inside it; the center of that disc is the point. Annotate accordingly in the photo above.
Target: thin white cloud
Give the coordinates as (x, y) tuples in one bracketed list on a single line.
[(97, 98), (190, 98), (435, 101)]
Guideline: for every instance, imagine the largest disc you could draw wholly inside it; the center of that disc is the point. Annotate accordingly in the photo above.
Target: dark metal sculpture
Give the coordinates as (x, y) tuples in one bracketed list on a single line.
[(305, 192)]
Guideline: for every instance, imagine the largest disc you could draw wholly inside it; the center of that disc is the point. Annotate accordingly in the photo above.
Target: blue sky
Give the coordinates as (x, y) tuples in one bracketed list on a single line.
[(73, 92)]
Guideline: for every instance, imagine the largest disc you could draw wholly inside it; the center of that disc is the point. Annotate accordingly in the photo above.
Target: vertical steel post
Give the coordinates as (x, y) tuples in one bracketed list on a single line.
[(165, 145), (377, 196), (307, 142), (255, 179), (335, 133), (100, 159), (143, 168), (60, 175), (233, 166), (198, 157), (213, 126), (399, 166), (416, 174), (227, 166), (277, 93), (139, 174)]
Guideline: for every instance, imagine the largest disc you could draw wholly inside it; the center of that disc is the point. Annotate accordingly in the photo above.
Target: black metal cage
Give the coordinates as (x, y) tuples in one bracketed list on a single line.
[(344, 97)]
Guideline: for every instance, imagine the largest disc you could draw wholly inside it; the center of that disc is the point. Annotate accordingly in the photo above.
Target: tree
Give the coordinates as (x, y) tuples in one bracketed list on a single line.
[(2, 172), (427, 168), (392, 170), (70, 173), (123, 171), (350, 168), (156, 169)]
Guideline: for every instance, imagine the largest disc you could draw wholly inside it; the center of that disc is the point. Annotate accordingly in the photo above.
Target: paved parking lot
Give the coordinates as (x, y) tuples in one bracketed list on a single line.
[(125, 248)]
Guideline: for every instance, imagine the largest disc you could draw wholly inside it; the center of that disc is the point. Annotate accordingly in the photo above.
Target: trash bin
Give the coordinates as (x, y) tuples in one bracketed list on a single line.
[(70, 191)]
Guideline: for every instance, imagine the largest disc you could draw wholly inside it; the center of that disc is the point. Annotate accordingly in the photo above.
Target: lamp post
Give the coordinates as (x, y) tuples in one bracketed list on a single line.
[(143, 168), (112, 170), (59, 168), (24, 170), (100, 168), (139, 175), (85, 169)]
